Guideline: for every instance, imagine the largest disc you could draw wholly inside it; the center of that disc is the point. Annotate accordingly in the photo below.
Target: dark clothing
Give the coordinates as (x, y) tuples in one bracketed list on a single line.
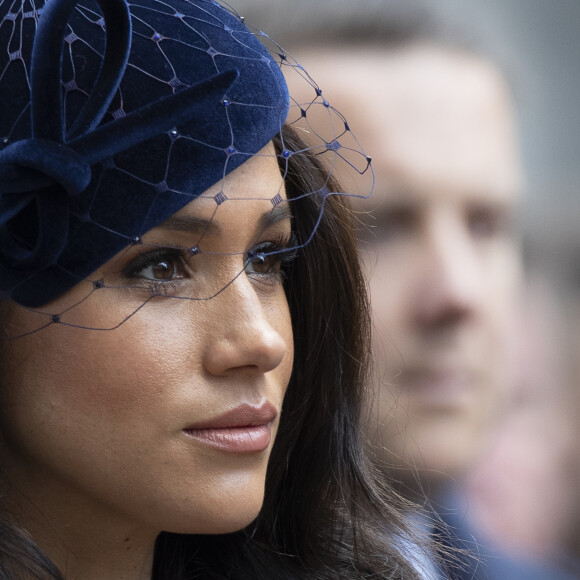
[(480, 561)]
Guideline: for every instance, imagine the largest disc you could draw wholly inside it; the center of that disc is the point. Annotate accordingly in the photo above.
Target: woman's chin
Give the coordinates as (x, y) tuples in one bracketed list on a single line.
[(225, 525), (220, 518), (232, 525)]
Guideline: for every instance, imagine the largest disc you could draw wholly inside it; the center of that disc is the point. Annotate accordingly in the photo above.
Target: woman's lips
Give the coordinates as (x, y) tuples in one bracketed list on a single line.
[(245, 429), (235, 439)]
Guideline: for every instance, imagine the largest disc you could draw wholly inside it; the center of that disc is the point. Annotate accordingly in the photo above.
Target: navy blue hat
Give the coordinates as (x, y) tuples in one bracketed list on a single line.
[(112, 119)]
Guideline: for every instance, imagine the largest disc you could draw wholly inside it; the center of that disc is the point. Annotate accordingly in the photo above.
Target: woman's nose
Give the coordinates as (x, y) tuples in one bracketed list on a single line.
[(250, 334)]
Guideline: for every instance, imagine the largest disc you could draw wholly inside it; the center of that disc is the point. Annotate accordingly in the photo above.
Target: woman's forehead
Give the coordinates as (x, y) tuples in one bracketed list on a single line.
[(245, 203), (251, 192), (243, 221), (259, 178)]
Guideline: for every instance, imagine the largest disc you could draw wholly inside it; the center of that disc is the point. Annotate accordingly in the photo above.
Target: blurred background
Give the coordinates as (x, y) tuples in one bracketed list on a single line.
[(524, 492), (538, 44)]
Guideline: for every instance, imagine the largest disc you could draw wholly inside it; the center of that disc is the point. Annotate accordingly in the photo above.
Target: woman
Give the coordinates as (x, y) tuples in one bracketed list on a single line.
[(183, 314)]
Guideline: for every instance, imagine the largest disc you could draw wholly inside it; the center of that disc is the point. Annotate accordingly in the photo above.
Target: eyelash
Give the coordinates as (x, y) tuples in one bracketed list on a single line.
[(273, 255), (152, 258), (281, 252)]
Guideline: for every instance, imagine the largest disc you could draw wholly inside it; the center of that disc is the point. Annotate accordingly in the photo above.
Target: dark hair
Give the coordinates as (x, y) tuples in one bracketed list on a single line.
[(382, 24), (323, 516), (344, 23)]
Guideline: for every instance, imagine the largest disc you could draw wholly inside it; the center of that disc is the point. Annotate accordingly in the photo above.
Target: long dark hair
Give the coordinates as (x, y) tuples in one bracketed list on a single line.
[(323, 517)]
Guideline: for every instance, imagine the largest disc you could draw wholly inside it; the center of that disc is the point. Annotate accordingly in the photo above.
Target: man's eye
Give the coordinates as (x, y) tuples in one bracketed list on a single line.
[(390, 224), (489, 223)]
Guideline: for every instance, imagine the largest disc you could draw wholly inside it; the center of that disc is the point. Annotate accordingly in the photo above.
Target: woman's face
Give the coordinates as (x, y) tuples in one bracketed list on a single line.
[(166, 422)]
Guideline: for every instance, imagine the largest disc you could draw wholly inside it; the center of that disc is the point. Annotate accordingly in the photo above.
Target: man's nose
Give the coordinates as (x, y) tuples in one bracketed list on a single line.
[(452, 288)]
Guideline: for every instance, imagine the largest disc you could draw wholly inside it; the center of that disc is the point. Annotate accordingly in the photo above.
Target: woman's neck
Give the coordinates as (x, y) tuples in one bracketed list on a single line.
[(103, 558), (83, 547)]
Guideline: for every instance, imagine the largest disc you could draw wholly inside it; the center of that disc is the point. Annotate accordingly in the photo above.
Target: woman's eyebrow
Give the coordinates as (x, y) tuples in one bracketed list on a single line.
[(190, 223), (196, 224), (278, 214)]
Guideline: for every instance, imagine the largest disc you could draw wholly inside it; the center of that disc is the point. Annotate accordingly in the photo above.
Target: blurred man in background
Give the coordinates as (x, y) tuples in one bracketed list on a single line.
[(440, 245)]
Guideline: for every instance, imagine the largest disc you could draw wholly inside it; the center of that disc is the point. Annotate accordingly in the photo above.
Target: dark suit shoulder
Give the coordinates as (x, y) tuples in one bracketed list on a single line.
[(477, 560)]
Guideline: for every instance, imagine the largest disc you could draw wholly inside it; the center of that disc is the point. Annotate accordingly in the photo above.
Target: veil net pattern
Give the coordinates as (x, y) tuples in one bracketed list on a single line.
[(325, 131)]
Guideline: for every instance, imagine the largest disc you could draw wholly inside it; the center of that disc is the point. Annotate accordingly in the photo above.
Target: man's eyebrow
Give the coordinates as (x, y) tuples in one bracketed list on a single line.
[(196, 224)]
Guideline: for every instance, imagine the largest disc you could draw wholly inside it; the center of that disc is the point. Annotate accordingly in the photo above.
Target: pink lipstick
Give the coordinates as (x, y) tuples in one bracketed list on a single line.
[(245, 429)]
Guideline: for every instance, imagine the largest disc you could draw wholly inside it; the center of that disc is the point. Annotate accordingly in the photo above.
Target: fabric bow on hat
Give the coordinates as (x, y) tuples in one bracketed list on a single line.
[(51, 166)]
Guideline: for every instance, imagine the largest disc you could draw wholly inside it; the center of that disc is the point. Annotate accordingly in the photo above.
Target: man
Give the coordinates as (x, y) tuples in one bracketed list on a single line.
[(441, 249), (438, 242)]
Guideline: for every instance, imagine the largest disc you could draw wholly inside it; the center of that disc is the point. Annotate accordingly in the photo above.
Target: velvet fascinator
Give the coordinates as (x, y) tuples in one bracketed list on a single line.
[(114, 116)]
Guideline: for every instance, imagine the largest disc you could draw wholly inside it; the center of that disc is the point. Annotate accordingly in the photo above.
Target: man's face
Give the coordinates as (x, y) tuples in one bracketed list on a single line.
[(438, 244)]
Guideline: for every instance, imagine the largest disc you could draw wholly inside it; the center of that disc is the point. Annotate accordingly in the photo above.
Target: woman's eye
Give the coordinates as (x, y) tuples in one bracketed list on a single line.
[(267, 259), (159, 266), (262, 263), (161, 270)]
